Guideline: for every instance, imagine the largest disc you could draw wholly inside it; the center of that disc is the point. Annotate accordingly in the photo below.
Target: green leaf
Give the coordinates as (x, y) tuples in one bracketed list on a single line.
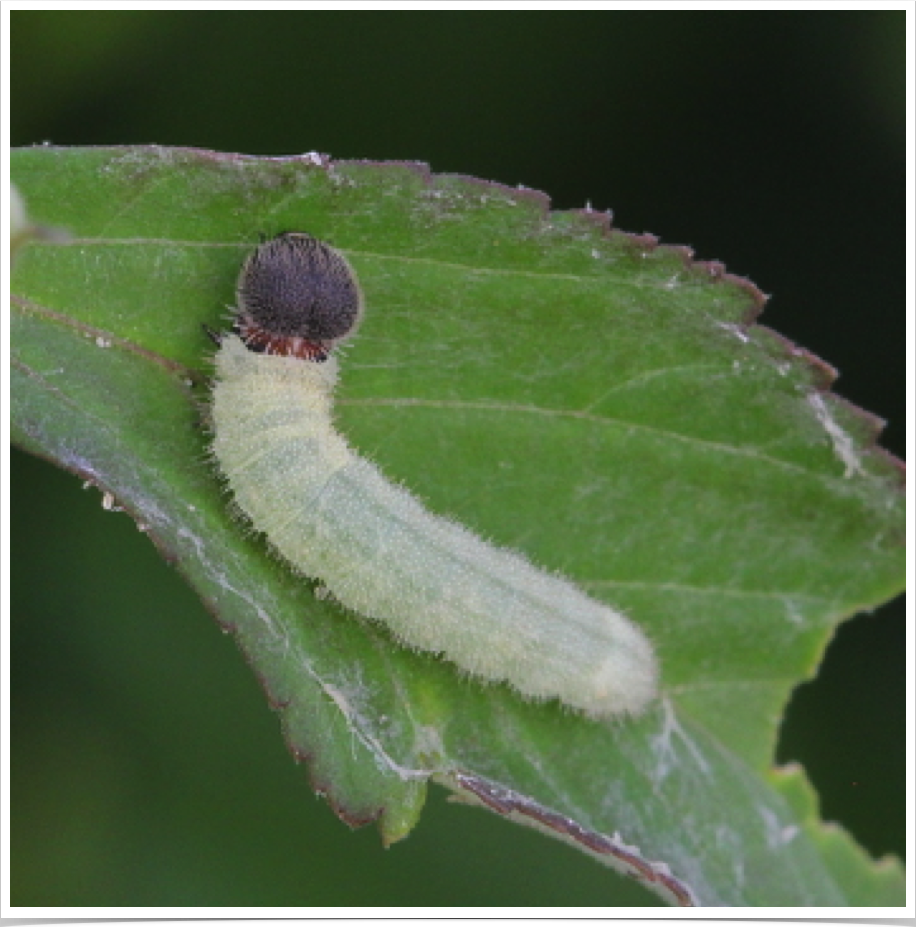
[(597, 401)]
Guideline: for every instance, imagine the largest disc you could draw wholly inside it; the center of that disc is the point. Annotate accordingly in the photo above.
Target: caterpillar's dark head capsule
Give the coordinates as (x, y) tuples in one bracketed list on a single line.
[(297, 296)]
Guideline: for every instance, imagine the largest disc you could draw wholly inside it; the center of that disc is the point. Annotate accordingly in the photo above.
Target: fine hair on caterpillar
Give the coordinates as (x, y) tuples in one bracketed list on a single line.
[(336, 518)]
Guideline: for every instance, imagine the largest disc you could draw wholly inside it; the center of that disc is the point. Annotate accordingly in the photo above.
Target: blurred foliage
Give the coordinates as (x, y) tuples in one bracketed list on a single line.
[(146, 768)]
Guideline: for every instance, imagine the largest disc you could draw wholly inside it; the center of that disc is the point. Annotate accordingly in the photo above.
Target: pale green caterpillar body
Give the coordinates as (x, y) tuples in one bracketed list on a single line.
[(437, 586)]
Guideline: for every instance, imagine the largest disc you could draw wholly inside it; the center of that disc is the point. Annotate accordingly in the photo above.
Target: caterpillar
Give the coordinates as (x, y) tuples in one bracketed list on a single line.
[(334, 517)]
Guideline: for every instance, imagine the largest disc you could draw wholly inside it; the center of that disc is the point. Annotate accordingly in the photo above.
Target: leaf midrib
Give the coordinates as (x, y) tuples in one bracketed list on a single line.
[(603, 276), (482, 406)]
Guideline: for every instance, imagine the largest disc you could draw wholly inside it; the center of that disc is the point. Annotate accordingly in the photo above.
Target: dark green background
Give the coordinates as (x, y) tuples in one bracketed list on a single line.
[(147, 769)]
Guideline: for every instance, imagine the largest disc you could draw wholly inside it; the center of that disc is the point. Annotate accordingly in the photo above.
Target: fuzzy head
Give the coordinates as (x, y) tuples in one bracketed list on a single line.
[(297, 297)]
